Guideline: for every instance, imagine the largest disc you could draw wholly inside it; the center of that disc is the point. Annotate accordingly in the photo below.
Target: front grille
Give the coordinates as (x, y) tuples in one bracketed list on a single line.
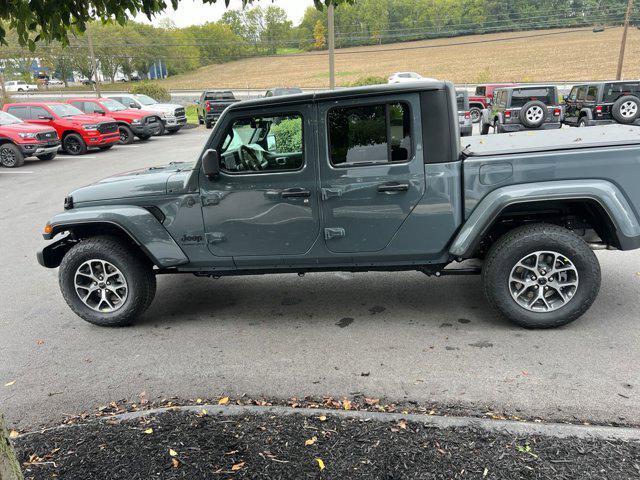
[(151, 120), (108, 127), (180, 112), (52, 135)]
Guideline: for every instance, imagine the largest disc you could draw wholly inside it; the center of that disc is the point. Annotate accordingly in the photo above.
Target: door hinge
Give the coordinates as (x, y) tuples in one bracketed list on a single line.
[(216, 237), (328, 193), (330, 233)]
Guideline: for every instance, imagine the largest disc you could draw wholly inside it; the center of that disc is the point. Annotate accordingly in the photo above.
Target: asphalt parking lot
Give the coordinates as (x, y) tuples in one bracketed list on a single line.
[(400, 336)]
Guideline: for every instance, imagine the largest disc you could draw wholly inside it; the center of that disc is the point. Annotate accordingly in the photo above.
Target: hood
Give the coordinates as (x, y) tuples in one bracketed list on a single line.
[(26, 127), (163, 107), (132, 114), (138, 183), (88, 118)]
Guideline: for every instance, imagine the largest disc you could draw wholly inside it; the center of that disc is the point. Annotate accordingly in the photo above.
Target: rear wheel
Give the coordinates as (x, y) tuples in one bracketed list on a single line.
[(541, 276), (583, 122), (11, 156), (476, 114), (106, 282), (73, 144), (47, 156), (126, 135)]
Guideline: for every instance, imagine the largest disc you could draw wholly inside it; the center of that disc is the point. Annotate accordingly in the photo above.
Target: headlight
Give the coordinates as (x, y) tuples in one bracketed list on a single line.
[(167, 115), (27, 135), (135, 122), (90, 127)]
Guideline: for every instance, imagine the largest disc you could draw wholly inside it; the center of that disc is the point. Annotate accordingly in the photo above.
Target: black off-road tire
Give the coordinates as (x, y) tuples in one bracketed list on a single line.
[(73, 144), (11, 156), (533, 106), (126, 134), (141, 281), (522, 241), (622, 105), (47, 156)]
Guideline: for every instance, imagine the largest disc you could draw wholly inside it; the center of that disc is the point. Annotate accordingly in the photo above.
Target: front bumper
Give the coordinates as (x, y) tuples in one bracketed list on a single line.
[(212, 117), (172, 122), (145, 130), (34, 149), (517, 127), (100, 140)]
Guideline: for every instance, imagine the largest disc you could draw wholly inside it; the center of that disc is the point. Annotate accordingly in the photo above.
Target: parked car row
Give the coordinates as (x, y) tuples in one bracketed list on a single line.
[(538, 107), (40, 129)]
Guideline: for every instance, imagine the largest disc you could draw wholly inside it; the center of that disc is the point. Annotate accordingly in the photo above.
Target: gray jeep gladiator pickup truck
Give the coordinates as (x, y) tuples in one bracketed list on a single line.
[(363, 179)]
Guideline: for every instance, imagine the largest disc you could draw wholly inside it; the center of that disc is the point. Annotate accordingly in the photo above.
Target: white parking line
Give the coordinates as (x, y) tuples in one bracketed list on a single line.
[(17, 171), (75, 156)]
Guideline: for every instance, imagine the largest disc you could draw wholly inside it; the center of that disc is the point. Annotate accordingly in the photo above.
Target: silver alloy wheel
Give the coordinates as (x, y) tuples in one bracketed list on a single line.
[(543, 281), (535, 114), (101, 286), (629, 109)]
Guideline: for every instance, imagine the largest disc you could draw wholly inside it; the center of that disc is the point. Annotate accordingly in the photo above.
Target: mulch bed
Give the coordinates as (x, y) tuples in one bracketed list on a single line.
[(203, 446)]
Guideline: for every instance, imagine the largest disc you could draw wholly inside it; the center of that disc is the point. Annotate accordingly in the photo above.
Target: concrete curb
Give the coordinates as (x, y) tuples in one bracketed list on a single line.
[(558, 430)]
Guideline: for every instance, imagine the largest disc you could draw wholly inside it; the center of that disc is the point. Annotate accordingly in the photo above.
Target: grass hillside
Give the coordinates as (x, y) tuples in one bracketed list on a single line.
[(545, 55)]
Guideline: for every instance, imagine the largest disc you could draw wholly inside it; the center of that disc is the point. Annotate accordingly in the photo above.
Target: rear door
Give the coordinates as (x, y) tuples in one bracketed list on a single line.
[(371, 177)]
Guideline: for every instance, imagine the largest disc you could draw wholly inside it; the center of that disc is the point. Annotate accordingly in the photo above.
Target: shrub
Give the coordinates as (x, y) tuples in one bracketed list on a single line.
[(6, 98), (371, 80), (151, 89), (288, 135)]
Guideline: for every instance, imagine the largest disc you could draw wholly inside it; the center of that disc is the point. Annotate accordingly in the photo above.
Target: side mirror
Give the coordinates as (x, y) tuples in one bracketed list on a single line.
[(134, 105), (99, 112), (45, 117), (211, 164)]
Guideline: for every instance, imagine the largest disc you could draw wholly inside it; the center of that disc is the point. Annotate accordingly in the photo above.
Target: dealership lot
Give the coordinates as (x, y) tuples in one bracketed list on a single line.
[(401, 336)]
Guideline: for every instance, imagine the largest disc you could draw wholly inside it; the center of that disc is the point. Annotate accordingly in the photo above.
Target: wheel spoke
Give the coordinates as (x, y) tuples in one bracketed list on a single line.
[(101, 286)]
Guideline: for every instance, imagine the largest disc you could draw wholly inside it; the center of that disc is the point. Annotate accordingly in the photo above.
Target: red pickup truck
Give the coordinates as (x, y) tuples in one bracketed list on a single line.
[(483, 97), (19, 140), (131, 122), (78, 131)]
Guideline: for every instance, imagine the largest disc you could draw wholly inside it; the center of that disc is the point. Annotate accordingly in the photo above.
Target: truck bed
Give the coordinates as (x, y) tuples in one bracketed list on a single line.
[(567, 138)]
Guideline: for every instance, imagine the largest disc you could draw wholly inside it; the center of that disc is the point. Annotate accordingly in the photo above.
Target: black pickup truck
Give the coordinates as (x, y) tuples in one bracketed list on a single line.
[(360, 179), (211, 105)]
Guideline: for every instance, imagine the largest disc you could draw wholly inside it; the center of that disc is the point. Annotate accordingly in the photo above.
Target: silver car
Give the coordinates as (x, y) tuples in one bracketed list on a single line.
[(464, 113)]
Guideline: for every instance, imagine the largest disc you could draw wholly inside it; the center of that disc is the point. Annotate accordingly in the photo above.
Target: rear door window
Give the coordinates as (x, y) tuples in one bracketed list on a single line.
[(369, 134), (613, 91), (38, 112), (592, 94)]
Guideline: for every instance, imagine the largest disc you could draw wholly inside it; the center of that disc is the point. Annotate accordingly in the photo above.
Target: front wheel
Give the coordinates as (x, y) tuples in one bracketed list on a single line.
[(73, 144), (106, 282), (161, 129), (126, 135), (541, 276), (11, 156)]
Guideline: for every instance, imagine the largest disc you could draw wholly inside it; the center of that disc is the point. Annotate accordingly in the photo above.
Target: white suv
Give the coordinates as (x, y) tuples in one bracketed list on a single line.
[(404, 77), (19, 86)]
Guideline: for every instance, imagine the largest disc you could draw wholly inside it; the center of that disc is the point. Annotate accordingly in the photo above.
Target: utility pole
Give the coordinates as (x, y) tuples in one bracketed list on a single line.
[(94, 66), (623, 46), (332, 46)]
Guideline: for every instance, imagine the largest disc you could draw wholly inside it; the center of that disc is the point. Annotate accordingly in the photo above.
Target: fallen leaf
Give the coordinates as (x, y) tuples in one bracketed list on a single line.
[(371, 401), (13, 434), (175, 463), (238, 466), (402, 424), (485, 473), (311, 441), (322, 418), (8, 384), (346, 404), (143, 398), (148, 431), (39, 342), (199, 400), (320, 464), (223, 401), (173, 453)]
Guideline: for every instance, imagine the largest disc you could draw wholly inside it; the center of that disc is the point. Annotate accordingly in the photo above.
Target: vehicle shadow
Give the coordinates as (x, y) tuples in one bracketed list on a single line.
[(398, 298)]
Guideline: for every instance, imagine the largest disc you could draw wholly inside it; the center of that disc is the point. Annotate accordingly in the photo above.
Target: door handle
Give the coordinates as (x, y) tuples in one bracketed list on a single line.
[(296, 193), (393, 187)]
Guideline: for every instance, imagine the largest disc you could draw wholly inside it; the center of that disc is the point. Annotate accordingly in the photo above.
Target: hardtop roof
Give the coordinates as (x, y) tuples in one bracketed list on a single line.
[(342, 93)]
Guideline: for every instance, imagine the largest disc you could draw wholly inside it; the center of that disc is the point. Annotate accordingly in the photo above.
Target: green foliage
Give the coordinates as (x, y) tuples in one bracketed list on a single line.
[(371, 80), (192, 113), (288, 135), (151, 89)]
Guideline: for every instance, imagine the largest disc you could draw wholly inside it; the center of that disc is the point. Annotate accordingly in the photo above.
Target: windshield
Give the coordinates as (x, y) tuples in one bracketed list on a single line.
[(8, 119), (145, 100), (63, 110), (522, 96), (113, 105)]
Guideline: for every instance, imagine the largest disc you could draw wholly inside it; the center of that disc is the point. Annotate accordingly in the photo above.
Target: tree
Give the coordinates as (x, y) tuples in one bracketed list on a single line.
[(276, 30), (53, 19), (319, 35)]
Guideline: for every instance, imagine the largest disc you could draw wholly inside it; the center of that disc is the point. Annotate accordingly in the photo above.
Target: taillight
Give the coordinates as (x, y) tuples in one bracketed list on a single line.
[(507, 114), (467, 114), (599, 110), (557, 112), (207, 106)]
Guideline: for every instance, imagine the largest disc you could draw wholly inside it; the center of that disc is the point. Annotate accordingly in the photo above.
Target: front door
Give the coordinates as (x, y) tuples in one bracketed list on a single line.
[(264, 203), (371, 176)]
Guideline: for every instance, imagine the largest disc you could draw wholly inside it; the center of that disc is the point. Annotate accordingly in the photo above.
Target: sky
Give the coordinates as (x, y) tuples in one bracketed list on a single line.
[(193, 12)]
